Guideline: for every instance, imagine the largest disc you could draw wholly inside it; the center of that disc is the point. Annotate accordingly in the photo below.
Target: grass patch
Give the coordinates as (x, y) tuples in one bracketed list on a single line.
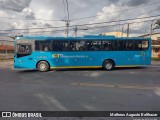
[(156, 59)]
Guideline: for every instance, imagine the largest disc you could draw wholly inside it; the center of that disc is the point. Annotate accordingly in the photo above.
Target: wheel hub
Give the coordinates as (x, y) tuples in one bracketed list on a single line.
[(42, 66)]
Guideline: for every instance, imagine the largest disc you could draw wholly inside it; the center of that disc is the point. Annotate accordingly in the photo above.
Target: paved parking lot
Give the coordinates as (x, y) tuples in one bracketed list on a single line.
[(80, 89)]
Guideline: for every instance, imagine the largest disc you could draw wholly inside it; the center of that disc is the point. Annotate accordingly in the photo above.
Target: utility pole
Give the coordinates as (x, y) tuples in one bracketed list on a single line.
[(67, 22), (67, 26), (128, 30), (122, 31), (75, 31), (151, 28)]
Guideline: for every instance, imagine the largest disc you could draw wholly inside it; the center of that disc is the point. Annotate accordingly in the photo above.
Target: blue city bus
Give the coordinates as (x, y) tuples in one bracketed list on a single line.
[(107, 52)]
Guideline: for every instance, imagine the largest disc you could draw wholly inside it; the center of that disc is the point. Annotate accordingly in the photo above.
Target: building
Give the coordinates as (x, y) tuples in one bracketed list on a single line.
[(116, 34), (155, 43), (6, 47), (6, 43)]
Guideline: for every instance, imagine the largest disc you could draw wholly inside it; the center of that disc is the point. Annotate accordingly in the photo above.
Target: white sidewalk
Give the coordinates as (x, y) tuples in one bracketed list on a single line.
[(155, 62), (6, 64)]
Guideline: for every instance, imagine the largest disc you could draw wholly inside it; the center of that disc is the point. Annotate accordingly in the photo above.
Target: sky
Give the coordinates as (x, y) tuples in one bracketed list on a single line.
[(50, 15)]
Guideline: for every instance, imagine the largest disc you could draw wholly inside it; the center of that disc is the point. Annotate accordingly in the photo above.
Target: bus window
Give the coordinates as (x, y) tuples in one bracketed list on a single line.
[(43, 45), (144, 44), (60, 46), (77, 45), (125, 45), (73, 45), (129, 45), (141, 45), (109, 45), (36, 45), (24, 49), (94, 45), (138, 45), (122, 45)]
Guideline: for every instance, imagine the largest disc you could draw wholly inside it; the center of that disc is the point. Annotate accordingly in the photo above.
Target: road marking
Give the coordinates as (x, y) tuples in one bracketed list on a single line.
[(50, 99), (116, 86), (56, 103), (133, 72)]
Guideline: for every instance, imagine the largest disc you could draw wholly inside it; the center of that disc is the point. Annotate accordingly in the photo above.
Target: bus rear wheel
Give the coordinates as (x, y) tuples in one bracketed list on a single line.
[(108, 65), (43, 66)]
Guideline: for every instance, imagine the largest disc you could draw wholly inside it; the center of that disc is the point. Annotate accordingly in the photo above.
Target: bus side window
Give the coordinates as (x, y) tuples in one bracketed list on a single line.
[(88, 45), (56, 46), (43, 45), (65, 46), (94, 45), (37, 45), (141, 45), (129, 45), (80, 45), (122, 45), (73, 46), (106, 45), (60, 45), (145, 44), (110, 45), (77, 45), (113, 45), (125, 45), (138, 45)]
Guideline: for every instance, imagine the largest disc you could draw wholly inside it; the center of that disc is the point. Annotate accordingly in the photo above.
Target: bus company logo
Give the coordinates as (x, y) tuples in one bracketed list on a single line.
[(57, 55)]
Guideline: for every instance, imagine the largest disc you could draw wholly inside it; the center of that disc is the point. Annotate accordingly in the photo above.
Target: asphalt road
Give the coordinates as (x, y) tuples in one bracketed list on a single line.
[(124, 89)]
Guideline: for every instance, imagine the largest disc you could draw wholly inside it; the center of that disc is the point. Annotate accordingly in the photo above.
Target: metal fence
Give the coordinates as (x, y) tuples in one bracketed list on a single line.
[(6, 49)]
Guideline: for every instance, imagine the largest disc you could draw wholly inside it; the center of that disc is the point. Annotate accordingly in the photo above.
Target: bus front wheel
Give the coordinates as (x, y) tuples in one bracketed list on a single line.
[(43, 66), (108, 65)]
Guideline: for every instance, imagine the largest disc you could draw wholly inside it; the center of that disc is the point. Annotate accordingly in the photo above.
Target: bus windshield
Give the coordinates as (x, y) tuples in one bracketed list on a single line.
[(24, 49)]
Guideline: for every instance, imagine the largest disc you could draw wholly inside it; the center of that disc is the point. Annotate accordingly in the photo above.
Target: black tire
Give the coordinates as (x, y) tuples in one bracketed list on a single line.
[(43, 66), (108, 65)]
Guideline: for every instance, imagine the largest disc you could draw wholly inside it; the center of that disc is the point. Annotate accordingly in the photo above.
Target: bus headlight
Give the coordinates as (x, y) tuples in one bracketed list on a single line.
[(20, 61)]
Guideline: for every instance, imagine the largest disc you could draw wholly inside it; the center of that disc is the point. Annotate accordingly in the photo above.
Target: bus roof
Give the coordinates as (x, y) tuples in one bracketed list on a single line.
[(75, 38)]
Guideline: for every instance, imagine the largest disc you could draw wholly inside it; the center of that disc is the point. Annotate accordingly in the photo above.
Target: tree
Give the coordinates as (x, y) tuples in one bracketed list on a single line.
[(157, 23)]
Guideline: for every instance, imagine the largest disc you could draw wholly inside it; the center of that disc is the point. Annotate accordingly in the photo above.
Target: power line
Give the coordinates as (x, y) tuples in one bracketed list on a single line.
[(32, 28), (120, 24), (30, 19), (113, 12), (94, 27), (119, 20), (139, 18)]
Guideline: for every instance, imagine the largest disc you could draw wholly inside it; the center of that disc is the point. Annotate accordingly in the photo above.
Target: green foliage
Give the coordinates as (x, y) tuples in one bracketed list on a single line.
[(157, 23), (156, 59)]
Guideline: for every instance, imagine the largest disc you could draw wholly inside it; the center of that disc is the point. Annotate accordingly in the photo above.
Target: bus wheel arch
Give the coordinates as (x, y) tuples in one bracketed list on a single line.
[(43, 66), (108, 64)]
